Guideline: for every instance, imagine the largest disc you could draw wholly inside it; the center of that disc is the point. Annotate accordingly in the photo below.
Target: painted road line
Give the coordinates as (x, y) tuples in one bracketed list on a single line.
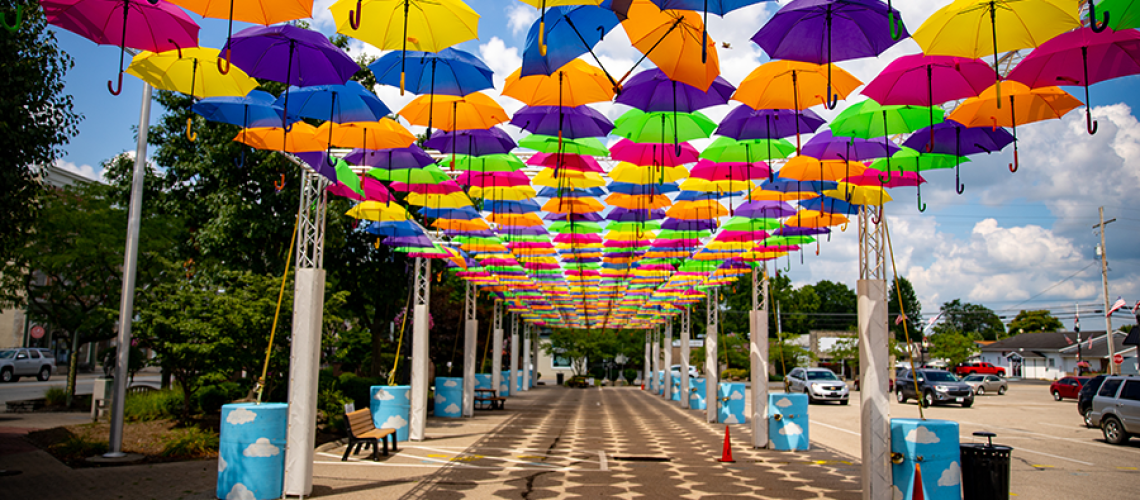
[(1050, 455), (816, 422), (1095, 444)]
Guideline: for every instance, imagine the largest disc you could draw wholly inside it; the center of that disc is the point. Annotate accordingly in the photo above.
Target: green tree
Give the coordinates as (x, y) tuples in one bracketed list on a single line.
[(953, 346), (844, 351), (837, 306), (797, 306), (579, 345), (972, 320), (38, 121), (75, 256), (1034, 321), (913, 310)]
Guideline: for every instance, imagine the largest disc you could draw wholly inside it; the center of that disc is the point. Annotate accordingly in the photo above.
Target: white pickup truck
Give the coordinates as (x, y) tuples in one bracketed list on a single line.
[(26, 362)]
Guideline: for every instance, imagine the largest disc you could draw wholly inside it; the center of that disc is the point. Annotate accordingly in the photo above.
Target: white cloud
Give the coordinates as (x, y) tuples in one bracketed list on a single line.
[(736, 396), (439, 399), (731, 419), (896, 493), (261, 448), (791, 429), (382, 395), (922, 435), (519, 17), (394, 422), (451, 408), (84, 170), (241, 416), (240, 492), (221, 463), (784, 403), (451, 383), (952, 476)]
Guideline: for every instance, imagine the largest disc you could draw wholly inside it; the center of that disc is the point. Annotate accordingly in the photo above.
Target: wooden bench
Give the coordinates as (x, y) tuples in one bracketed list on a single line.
[(140, 389), (361, 432), (485, 399)]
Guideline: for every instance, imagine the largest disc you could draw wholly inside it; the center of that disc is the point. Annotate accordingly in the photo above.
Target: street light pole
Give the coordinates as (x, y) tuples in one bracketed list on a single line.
[(1104, 277)]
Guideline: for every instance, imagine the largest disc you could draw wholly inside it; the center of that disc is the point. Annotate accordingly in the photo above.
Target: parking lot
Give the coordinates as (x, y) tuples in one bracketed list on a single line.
[(1054, 455)]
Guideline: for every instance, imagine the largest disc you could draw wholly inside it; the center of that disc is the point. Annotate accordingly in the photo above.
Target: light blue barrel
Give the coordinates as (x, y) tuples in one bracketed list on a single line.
[(449, 397), (531, 379), (788, 422), (675, 390), (505, 384), (929, 447), (730, 395), (251, 454), (697, 400), (392, 408), (518, 381), (483, 381)]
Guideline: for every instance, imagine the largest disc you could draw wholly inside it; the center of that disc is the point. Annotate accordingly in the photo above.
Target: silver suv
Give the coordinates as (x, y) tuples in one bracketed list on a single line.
[(26, 362), (820, 384), (1116, 408)]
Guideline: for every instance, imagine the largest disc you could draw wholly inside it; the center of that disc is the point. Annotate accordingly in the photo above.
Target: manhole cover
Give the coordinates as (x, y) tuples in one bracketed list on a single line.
[(643, 459)]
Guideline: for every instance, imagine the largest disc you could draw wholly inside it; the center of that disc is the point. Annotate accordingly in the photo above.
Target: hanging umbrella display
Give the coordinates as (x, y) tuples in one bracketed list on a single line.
[(1026, 105), (718, 7), (427, 25), (826, 146), (564, 34), (792, 85), (588, 146), (868, 119), (350, 102), (663, 127), (727, 149), (474, 142), (953, 138), (744, 123), (541, 5), (411, 157), (447, 72), (473, 111), (910, 160), (575, 84), (382, 134), (255, 110), (573, 123), (1068, 58), (1120, 15), (672, 40), (303, 138), (660, 155), (826, 31), (136, 24), (250, 11), (977, 28)]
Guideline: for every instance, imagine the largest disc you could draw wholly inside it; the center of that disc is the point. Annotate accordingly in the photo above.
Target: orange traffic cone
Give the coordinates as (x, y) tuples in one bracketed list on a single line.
[(726, 455)]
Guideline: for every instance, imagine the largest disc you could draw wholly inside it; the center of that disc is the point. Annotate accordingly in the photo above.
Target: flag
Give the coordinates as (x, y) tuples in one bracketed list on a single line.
[(1068, 340), (899, 320), (1116, 306), (1136, 307), (932, 320)]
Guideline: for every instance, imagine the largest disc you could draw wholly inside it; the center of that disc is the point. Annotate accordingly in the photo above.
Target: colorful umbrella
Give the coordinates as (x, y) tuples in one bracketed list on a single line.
[(154, 27), (792, 85), (447, 72), (826, 31), (475, 142), (303, 138), (652, 90), (1125, 14), (473, 111), (718, 7), (953, 138), (1066, 59), (560, 121), (575, 84), (867, 119), (826, 146), (570, 32), (669, 39), (350, 102), (191, 71), (653, 153), (250, 11), (411, 157), (663, 127), (727, 149), (588, 146), (743, 123), (382, 134)]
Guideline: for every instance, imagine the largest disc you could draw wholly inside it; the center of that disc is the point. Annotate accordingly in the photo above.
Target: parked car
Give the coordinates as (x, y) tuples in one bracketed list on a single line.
[(979, 368), (26, 362), (890, 384), (1116, 408), (1085, 397), (820, 384), (1067, 387), (983, 384), (675, 370), (934, 387)]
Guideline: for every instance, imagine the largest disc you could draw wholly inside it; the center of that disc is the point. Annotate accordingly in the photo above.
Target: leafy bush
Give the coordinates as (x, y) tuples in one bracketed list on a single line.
[(153, 405), (630, 374), (735, 374), (772, 377), (211, 398), (330, 408), (579, 381), (358, 389), (78, 448), (56, 396), (190, 442)]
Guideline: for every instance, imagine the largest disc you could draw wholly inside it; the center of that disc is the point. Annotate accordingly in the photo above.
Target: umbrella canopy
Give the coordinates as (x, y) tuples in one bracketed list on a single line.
[(792, 85), (563, 34), (727, 149), (575, 84), (261, 12), (290, 55), (806, 168), (568, 161), (652, 91), (411, 157), (826, 31), (743, 122), (1125, 14), (629, 172), (712, 171), (137, 24), (509, 179), (302, 138), (589, 146), (192, 71), (447, 72), (672, 39), (256, 109), (388, 214), (472, 111), (560, 121), (350, 102), (383, 134), (488, 163), (826, 146), (663, 127), (657, 154), (475, 142)]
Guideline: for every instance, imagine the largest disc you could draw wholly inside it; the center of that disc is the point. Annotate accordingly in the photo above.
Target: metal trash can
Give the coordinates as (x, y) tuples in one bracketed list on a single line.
[(985, 469), (559, 376)]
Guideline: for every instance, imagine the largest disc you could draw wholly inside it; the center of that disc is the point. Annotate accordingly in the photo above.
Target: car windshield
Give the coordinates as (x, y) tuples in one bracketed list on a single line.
[(821, 375), (7, 354), (973, 378), (939, 376)]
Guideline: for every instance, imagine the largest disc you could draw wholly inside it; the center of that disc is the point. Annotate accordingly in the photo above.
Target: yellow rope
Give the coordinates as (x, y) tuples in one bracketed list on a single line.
[(902, 311), (400, 343), (277, 314)]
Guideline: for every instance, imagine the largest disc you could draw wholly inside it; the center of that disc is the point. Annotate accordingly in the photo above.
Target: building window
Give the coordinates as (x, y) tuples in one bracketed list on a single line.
[(560, 361), (1052, 363)]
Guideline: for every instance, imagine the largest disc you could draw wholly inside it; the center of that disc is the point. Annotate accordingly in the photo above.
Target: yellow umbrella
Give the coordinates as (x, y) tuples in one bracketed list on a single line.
[(672, 40), (1026, 105), (859, 195), (383, 134), (191, 71), (451, 200), (517, 193), (426, 25), (812, 218), (568, 179), (719, 186), (377, 211), (762, 194), (575, 84), (628, 172), (450, 113), (302, 139)]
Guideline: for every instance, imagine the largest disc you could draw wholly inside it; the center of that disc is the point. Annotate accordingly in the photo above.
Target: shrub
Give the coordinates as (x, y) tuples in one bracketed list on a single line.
[(211, 398), (630, 374), (78, 448), (56, 396), (735, 374), (358, 389), (153, 405), (190, 442), (772, 377), (330, 406)]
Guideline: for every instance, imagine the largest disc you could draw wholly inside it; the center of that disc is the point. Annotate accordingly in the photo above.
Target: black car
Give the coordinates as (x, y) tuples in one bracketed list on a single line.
[(934, 387), (1085, 397)]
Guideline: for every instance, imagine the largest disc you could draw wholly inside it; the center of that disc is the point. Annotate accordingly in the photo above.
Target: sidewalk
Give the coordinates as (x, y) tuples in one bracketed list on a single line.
[(550, 442)]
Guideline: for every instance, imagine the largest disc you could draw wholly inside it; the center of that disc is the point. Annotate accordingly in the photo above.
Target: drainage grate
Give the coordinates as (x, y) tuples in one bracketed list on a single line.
[(643, 459)]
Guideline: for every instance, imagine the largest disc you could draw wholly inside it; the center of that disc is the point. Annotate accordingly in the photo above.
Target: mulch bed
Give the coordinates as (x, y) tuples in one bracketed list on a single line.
[(73, 444)]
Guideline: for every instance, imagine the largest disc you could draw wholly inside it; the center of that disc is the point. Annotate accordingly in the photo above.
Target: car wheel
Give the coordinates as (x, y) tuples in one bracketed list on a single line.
[(1113, 432), (1087, 416), (981, 391), (45, 374), (928, 399), (1001, 390), (1056, 396), (900, 397), (968, 403), (6, 376), (843, 402)]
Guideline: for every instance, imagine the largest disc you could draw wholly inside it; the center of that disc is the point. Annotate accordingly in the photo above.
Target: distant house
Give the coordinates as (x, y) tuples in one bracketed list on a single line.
[(1052, 355)]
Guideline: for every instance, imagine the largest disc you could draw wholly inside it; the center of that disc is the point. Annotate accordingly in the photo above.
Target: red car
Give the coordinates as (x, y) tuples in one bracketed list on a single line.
[(979, 368), (1067, 387)]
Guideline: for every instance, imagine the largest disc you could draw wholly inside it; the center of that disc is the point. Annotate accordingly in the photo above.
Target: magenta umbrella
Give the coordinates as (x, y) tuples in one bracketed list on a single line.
[(1081, 57), (653, 154), (922, 80), (138, 24)]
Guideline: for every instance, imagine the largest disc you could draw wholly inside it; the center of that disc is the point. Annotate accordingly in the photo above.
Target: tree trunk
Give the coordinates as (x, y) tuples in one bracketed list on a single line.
[(72, 368), (186, 394)]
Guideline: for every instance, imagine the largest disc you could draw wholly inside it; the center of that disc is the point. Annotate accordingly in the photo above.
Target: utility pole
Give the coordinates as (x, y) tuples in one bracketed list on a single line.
[(1104, 277)]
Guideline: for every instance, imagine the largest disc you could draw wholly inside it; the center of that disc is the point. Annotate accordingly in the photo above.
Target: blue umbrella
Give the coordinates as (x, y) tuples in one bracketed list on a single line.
[(346, 103), (570, 32), (829, 205), (511, 207), (394, 229), (549, 192), (464, 213), (642, 189), (254, 110), (447, 72), (718, 7)]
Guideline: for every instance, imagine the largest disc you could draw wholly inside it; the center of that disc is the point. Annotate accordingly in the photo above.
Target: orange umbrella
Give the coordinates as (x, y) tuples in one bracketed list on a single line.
[(638, 202), (812, 218), (762, 194), (1026, 105), (573, 205), (302, 139), (524, 220), (806, 168), (672, 40), (461, 225), (451, 113), (384, 134), (575, 84), (704, 209), (792, 85)]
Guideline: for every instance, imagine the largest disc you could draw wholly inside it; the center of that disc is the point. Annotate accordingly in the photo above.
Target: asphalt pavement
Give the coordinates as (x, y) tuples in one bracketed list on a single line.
[(30, 388)]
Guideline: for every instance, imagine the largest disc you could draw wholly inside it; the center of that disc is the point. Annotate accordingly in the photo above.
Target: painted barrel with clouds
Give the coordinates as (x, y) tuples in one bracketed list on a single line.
[(788, 422), (675, 390), (505, 384), (661, 383), (251, 454), (449, 397), (697, 400), (930, 459), (483, 381), (392, 408), (730, 395)]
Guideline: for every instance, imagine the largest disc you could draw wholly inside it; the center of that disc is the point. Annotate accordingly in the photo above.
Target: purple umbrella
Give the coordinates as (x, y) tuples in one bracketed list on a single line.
[(391, 159), (635, 215), (561, 121), (590, 217), (688, 225), (953, 138), (763, 209), (475, 142), (825, 146), (317, 160), (744, 123), (652, 91), (804, 30)]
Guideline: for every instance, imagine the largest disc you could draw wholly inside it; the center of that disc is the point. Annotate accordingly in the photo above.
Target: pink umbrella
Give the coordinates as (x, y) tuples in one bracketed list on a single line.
[(713, 171), (871, 177), (646, 154), (373, 190), (446, 187), (492, 179), (138, 24), (580, 163), (1081, 57), (741, 236)]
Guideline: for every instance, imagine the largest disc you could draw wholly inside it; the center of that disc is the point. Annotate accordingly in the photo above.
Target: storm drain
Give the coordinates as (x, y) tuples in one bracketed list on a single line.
[(642, 459)]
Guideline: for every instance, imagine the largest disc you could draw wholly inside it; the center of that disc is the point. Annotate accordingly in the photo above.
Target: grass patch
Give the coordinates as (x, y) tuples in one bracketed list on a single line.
[(56, 396), (190, 442), (153, 405)]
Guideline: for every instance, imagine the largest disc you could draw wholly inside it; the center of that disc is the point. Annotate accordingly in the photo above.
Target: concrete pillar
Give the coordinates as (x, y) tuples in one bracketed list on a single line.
[(712, 375), (874, 397), (758, 356), (667, 346), (645, 378), (497, 349), (685, 334), (513, 376), (534, 352), (655, 356), (526, 357), (470, 339), (420, 354), (304, 367)]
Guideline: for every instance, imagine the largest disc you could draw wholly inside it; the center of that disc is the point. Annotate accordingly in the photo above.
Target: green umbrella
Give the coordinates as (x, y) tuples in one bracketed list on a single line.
[(909, 160), (488, 163), (589, 146), (727, 149), (575, 227), (1118, 14), (747, 224), (777, 241), (346, 176), (430, 174), (869, 119), (663, 126), (629, 227)]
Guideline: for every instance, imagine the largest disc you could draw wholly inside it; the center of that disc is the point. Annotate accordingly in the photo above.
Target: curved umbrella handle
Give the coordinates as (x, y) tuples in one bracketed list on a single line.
[(1091, 124), (896, 33), (542, 37), (279, 186), (888, 179), (354, 17), (921, 205), (831, 101), (225, 70), (176, 46), (190, 134), (240, 163), (1093, 24), (15, 26), (111, 87), (289, 127), (1016, 164), (878, 217), (958, 186)]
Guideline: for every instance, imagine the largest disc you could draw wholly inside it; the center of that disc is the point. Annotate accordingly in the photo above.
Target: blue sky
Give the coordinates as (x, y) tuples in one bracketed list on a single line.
[(1012, 241)]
